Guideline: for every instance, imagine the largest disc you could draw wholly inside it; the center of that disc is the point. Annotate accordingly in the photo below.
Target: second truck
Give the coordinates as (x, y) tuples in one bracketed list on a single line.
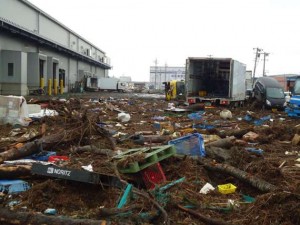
[(215, 81)]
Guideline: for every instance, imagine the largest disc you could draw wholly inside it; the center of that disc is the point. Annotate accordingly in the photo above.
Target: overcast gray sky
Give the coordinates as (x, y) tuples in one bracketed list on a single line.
[(134, 33)]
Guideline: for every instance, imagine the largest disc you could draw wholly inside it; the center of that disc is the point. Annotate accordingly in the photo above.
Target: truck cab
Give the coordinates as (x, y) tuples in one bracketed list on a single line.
[(174, 90), (295, 93)]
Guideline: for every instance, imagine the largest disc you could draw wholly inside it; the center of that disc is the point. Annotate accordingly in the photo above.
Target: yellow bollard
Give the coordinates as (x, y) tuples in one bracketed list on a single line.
[(61, 87), (49, 86), (42, 84), (55, 86)]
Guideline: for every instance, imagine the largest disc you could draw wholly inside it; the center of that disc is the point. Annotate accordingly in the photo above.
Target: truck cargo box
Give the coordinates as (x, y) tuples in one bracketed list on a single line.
[(217, 80)]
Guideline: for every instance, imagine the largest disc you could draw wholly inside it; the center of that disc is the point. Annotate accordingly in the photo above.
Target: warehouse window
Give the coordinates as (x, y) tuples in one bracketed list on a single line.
[(10, 69)]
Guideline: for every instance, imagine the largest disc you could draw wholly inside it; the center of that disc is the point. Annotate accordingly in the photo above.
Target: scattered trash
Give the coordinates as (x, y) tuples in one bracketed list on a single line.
[(75, 175), (296, 139), (262, 120), (250, 136), (153, 175), (204, 126), (13, 186), (248, 118), (210, 138), (125, 196), (56, 158), (41, 156), (158, 118), (206, 188), (13, 203), (232, 204), (167, 126), (43, 113), (25, 162), (142, 158), (137, 178), (226, 114), (255, 150), (34, 108), (123, 117), (14, 110), (50, 211), (196, 116), (171, 105), (291, 153), (226, 188), (248, 199), (88, 168)]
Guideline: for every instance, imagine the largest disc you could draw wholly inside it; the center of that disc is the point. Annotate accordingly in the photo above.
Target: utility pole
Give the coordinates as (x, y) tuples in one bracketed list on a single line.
[(265, 55), (257, 55), (155, 73)]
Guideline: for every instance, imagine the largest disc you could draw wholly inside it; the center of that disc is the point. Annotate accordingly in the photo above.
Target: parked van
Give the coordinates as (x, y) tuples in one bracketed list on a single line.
[(269, 93)]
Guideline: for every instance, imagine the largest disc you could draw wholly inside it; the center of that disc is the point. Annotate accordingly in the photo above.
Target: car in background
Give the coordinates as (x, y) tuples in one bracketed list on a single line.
[(269, 93)]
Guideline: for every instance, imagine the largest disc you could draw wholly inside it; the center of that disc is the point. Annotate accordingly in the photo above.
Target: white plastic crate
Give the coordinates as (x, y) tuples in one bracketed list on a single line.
[(13, 186)]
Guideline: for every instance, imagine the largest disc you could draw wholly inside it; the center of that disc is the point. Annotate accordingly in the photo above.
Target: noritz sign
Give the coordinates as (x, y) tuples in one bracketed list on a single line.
[(52, 170)]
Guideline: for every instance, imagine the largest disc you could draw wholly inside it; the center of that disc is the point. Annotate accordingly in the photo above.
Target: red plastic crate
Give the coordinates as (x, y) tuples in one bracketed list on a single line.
[(153, 175), (55, 158)]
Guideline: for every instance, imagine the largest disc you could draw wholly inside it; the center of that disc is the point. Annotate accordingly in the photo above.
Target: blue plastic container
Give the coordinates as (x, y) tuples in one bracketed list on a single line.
[(204, 126), (255, 150), (192, 144), (41, 156), (13, 186)]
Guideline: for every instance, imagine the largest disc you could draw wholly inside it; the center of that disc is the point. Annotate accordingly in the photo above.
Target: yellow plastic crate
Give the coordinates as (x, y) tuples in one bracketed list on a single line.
[(226, 188), (202, 93)]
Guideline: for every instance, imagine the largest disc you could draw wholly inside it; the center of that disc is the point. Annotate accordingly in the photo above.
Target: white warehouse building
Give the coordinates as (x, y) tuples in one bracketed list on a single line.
[(35, 48), (160, 74)]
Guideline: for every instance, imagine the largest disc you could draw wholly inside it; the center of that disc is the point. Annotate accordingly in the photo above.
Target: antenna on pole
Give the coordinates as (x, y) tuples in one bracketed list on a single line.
[(266, 54), (257, 57)]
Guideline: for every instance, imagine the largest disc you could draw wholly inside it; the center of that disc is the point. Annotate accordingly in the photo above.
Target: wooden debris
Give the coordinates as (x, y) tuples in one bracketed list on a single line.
[(11, 172), (21, 218), (203, 218), (223, 143), (93, 149)]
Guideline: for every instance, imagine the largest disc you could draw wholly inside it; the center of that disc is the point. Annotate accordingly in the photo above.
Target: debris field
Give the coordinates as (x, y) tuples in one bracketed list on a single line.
[(132, 160)]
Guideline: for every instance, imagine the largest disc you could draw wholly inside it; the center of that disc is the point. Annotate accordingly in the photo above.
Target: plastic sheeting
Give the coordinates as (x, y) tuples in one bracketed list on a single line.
[(13, 110)]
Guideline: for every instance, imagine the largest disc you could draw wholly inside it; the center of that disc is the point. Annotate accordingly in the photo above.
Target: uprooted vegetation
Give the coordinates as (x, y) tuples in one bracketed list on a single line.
[(89, 133)]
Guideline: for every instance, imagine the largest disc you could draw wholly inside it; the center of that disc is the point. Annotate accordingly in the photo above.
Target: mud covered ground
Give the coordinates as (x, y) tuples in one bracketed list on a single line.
[(79, 114)]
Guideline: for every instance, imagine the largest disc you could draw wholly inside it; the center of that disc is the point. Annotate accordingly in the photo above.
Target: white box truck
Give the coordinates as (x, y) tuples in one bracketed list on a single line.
[(111, 84), (218, 81), (105, 84)]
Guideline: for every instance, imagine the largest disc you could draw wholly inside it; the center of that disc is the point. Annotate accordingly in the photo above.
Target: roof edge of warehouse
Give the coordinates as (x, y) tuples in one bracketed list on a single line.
[(212, 58), (59, 23), (14, 28)]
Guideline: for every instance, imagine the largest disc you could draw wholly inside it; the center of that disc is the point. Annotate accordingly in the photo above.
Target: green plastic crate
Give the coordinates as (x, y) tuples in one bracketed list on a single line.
[(145, 157)]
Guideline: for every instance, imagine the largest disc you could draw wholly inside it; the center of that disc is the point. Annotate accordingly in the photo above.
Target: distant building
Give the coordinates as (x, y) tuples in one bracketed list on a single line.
[(35, 48), (160, 74), (286, 80)]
